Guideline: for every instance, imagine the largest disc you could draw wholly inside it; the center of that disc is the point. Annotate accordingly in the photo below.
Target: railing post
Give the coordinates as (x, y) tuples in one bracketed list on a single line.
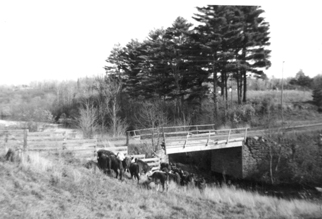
[(208, 138), (127, 138), (228, 136), (184, 145), (245, 134)]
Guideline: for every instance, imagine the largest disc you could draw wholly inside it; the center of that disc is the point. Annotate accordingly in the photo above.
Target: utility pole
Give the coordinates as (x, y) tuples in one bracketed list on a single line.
[(282, 93)]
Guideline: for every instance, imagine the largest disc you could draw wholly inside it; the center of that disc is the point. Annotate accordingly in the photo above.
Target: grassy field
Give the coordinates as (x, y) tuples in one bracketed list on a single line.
[(289, 96), (60, 187)]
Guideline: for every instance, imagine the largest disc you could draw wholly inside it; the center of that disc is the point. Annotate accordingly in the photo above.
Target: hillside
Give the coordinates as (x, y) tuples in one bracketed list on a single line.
[(60, 187)]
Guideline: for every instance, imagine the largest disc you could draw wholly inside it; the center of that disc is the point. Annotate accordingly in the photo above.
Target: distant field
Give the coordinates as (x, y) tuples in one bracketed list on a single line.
[(289, 96)]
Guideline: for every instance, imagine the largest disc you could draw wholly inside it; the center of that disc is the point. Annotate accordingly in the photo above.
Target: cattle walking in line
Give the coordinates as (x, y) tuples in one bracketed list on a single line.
[(183, 178), (107, 160)]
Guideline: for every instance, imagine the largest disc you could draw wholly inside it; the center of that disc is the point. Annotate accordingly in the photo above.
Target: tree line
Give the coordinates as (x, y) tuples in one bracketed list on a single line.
[(185, 63)]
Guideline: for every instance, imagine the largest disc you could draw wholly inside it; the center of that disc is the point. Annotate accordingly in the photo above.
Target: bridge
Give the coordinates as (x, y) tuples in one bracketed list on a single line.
[(181, 139)]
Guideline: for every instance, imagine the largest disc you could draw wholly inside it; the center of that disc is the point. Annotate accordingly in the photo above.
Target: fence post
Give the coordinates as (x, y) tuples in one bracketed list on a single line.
[(64, 142), (95, 148), (164, 144)]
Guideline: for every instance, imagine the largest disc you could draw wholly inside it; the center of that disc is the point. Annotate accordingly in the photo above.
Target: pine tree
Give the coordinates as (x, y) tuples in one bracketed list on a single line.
[(254, 34)]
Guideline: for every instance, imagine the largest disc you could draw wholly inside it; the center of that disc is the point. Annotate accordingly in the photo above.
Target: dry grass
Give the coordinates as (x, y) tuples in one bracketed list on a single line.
[(289, 96), (41, 187)]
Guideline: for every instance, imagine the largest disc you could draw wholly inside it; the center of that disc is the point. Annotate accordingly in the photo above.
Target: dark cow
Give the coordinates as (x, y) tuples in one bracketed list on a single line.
[(126, 164), (143, 166), (139, 167), (10, 155), (200, 183), (135, 171), (104, 163), (158, 178), (117, 166), (186, 178), (175, 177), (103, 151), (107, 160), (165, 166)]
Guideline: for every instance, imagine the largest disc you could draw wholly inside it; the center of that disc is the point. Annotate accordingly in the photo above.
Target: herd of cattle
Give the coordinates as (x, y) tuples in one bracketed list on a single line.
[(108, 161)]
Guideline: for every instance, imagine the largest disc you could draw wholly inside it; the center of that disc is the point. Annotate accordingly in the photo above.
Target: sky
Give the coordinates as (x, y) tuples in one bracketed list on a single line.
[(69, 39)]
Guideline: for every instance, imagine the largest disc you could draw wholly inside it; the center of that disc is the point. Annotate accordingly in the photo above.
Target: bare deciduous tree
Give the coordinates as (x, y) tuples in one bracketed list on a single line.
[(87, 120)]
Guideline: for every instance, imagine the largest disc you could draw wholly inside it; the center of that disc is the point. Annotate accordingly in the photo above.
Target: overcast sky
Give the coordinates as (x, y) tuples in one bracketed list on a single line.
[(69, 39)]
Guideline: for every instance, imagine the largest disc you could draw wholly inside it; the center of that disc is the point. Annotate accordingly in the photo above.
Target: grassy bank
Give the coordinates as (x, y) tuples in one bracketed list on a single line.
[(56, 187)]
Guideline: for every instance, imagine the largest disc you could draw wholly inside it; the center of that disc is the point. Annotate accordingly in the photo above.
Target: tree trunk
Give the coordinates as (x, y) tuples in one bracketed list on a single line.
[(215, 85), (271, 164), (244, 74), (245, 86), (223, 86), (114, 118), (239, 88)]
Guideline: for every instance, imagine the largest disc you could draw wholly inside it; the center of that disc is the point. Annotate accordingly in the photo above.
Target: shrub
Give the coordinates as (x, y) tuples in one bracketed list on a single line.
[(317, 91)]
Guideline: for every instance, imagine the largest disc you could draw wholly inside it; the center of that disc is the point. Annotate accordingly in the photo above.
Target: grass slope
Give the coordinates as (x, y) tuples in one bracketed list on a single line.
[(55, 187)]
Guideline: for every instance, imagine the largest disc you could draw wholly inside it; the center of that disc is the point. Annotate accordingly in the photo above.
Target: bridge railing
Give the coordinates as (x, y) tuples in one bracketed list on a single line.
[(171, 130), (191, 134)]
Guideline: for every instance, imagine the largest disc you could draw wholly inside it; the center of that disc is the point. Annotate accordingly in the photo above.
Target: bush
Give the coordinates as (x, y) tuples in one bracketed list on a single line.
[(241, 114), (317, 91)]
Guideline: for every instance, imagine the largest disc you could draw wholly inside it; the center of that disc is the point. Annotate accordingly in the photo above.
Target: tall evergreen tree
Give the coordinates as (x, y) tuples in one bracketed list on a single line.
[(213, 44), (255, 38)]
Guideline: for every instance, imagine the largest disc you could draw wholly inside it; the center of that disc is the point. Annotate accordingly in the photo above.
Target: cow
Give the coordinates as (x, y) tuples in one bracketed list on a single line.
[(126, 164), (165, 166), (104, 163), (158, 178), (175, 177), (107, 160), (139, 167), (143, 166), (103, 151), (116, 165), (135, 171), (10, 155), (187, 179), (200, 183)]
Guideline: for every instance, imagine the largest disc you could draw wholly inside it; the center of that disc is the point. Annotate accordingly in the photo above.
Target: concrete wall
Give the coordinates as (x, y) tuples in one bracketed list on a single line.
[(255, 154), (241, 162), (227, 161)]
